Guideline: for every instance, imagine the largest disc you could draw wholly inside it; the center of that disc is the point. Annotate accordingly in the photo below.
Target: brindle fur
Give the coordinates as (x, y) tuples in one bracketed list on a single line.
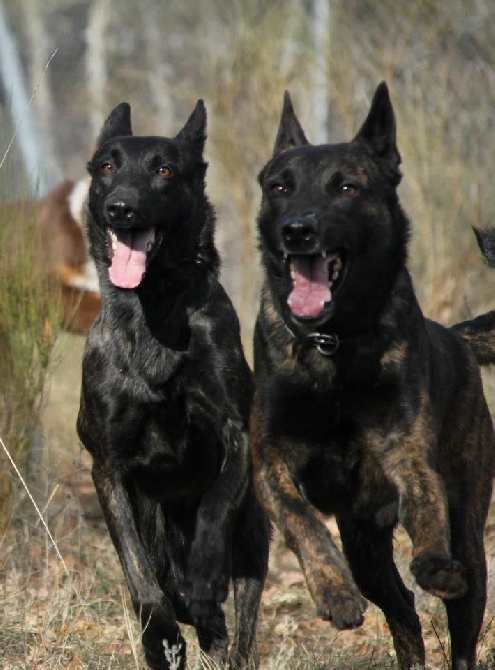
[(393, 427), (165, 403)]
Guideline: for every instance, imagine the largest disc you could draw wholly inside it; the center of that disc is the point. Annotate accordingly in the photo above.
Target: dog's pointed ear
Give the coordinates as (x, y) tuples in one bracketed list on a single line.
[(290, 133), (118, 123), (486, 242), (379, 131), (195, 128)]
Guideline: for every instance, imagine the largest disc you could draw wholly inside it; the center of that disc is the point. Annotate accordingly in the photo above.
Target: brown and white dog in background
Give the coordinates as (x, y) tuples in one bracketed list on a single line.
[(64, 246)]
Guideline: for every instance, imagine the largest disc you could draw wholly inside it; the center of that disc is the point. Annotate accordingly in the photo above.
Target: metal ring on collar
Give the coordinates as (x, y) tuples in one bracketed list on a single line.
[(327, 345)]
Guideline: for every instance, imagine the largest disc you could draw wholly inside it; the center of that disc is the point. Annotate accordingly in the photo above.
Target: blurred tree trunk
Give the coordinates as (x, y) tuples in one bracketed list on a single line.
[(39, 76), (97, 63), (18, 104), (321, 37), (155, 64)]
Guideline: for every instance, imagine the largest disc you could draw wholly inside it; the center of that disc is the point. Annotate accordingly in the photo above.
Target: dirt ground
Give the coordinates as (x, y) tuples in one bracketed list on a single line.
[(72, 610)]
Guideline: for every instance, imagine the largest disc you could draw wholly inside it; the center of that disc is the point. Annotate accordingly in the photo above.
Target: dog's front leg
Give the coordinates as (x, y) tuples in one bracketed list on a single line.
[(423, 511), (327, 574), (163, 644), (209, 562)]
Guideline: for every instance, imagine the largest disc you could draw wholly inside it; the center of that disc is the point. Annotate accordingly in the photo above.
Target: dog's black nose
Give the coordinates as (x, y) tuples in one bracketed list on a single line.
[(120, 210), (299, 234)]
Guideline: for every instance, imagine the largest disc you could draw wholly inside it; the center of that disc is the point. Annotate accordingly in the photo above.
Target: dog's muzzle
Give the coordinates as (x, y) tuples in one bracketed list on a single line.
[(300, 234)]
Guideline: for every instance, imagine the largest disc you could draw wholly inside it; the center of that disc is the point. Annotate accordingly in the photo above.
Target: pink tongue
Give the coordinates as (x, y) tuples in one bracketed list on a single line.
[(310, 289), (128, 263)]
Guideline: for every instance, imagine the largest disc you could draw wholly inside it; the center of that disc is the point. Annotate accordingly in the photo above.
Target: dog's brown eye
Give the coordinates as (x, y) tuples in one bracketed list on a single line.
[(279, 189), (164, 172), (348, 189), (106, 168)]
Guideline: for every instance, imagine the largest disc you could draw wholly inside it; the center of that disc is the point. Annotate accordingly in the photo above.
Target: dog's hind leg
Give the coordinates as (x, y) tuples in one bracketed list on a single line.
[(369, 551), (249, 567), (164, 646)]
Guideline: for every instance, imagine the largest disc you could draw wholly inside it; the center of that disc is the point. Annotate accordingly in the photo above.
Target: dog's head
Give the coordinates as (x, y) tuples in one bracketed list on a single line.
[(147, 206), (332, 233)]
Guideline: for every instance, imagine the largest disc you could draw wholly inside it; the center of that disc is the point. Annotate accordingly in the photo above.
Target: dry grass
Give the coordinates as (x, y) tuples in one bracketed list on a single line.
[(83, 620), (29, 316)]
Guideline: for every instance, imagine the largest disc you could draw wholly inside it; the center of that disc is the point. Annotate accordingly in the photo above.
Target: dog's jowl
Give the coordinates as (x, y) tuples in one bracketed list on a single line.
[(363, 408), (165, 398)]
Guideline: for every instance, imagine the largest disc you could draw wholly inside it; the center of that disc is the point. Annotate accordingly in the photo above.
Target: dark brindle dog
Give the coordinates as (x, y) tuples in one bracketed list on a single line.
[(363, 408), (166, 395)]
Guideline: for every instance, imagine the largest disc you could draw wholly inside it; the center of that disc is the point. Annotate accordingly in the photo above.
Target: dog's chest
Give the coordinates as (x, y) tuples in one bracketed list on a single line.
[(326, 439), (325, 477), (172, 458), (336, 479)]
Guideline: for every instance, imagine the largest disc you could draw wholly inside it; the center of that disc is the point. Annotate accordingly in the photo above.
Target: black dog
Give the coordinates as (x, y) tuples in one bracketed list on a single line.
[(166, 395), (363, 408)]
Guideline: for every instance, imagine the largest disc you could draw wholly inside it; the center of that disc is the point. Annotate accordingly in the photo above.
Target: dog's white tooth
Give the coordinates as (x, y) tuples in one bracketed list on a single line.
[(292, 272), (113, 238), (323, 254), (286, 255), (148, 246), (338, 264), (335, 274)]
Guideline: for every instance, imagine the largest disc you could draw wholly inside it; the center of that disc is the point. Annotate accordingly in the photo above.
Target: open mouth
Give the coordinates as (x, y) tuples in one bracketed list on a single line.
[(128, 250), (314, 278)]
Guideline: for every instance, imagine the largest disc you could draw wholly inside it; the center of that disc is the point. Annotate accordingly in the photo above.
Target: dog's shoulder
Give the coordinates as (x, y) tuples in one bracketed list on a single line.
[(215, 326), (216, 308)]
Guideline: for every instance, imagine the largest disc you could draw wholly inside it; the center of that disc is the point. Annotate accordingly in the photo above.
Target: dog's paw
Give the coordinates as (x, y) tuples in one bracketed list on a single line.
[(204, 603), (345, 609), (207, 582), (440, 576), (163, 645)]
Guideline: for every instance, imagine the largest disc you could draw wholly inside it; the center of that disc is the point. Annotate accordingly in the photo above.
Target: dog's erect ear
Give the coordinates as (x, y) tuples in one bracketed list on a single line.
[(486, 242), (379, 131), (195, 129), (290, 134), (118, 123)]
